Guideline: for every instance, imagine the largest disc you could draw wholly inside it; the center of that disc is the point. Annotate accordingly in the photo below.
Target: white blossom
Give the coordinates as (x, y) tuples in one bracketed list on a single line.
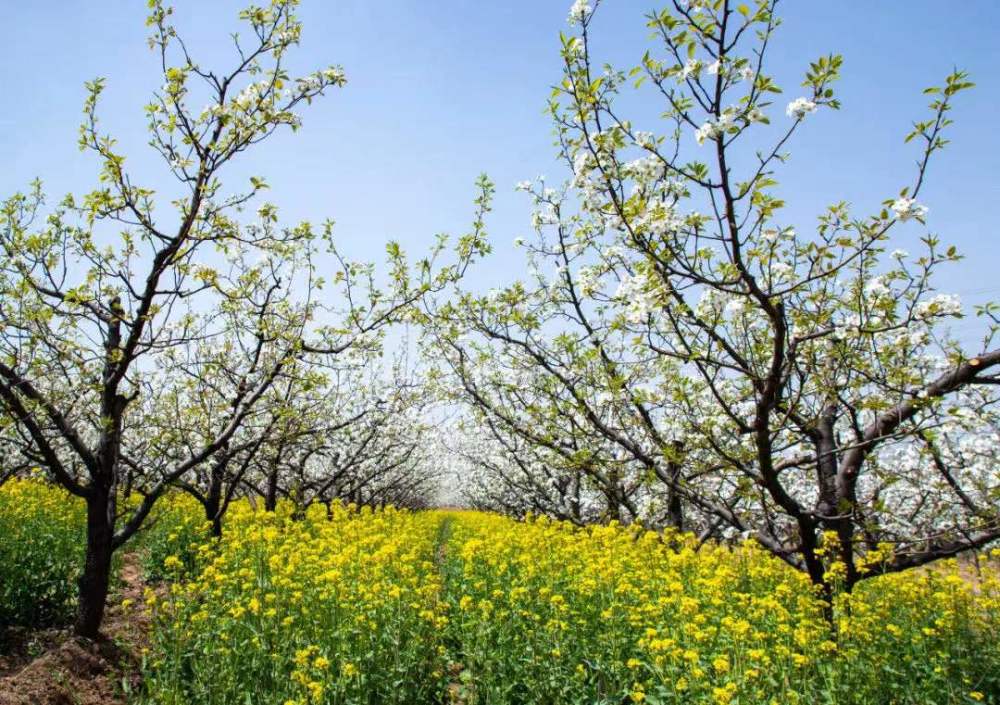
[(877, 289), (900, 254), (906, 208), (715, 128), (738, 306), (574, 47), (579, 11), (913, 337), (704, 132), (333, 74), (543, 216), (940, 305), (709, 304), (645, 140), (781, 271), (582, 164), (612, 253), (588, 279), (661, 220), (645, 168), (770, 235), (800, 107), (636, 294), (691, 68)]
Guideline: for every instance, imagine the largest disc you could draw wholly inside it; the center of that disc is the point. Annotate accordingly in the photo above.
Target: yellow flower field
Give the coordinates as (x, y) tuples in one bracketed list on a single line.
[(394, 607), (465, 607), (42, 533), (550, 613), (314, 611)]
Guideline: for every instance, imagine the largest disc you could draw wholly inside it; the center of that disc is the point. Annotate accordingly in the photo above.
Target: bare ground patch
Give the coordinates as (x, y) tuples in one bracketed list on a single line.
[(54, 667)]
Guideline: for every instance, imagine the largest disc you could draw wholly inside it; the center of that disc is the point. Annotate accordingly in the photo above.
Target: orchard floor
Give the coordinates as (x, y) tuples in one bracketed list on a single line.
[(53, 667)]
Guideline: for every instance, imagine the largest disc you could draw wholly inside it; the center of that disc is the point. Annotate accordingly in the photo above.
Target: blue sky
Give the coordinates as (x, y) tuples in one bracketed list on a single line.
[(440, 91)]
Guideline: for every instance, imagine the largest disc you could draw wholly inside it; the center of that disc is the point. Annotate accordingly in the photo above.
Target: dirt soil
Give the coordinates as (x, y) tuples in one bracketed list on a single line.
[(54, 667)]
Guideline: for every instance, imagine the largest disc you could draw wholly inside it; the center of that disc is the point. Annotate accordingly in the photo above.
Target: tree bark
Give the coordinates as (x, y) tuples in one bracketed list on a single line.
[(675, 505), (213, 500), (95, 579), (271, 498), (102, 497)]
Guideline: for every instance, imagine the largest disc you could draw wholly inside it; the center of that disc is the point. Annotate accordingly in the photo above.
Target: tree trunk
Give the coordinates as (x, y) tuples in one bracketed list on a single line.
[(213, 516), (836, 500), (675, 505), (815, 568), (271, 498), (102, 499), (575, 504), (96, 577), (614, 511), (213, 500)]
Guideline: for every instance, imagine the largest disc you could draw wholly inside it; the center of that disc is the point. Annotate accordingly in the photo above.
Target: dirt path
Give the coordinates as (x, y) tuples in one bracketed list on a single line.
[(57, 668), (458, 691)]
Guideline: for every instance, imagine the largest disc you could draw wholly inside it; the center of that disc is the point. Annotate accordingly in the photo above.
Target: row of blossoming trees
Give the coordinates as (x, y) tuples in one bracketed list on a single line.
[(193, 347), (678, 354)]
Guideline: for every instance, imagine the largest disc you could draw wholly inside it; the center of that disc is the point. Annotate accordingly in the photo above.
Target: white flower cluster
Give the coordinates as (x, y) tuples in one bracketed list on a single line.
[(711, 303), (906, 208), (645, 169), (849, 327), (692, 67), (715, 128), (738, 306), (638, 296), (745, 73), (646, 140), (909, 338), (579, 12), (660, 220), (574, 47), (984, 445), (544, 215), (939, 306), (334, 74), (250, 95), (582, 165), (876, 288), (772, 235), (589, 280), (614, 254), (781, 272), (800, 107), (213, 109)]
